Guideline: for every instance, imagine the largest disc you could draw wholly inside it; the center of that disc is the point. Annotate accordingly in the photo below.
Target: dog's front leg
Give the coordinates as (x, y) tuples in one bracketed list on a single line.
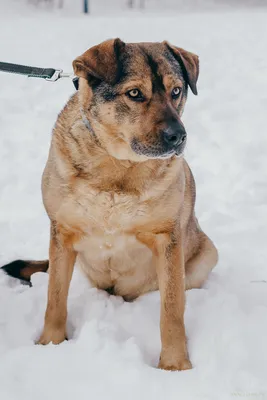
[(61, 263), (168, 253), (170, 271)]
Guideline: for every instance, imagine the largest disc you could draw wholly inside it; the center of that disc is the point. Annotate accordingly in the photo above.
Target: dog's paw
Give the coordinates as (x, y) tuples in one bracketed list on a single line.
[(55, 336), (180, 365)]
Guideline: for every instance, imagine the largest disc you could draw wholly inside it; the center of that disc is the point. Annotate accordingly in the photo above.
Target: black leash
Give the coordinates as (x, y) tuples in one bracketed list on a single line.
[(49, 74)]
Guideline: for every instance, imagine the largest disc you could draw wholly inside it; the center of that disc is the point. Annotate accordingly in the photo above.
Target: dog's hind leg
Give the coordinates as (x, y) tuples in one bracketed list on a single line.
[(200, 264)]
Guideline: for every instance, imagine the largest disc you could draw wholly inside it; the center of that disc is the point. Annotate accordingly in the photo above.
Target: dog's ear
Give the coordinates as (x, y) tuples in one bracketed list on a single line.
[(100, 62), (189, 62)]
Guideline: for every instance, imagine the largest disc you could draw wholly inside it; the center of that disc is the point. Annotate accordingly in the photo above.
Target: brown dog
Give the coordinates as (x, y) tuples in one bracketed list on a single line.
[(118, 192)]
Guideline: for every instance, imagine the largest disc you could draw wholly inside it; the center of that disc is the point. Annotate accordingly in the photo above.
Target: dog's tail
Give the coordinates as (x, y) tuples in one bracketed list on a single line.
[(23, 270)]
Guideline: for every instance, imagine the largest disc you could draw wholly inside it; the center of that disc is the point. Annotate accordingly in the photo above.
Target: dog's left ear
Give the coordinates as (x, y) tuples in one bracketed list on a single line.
[(189, 62), (100, 62)]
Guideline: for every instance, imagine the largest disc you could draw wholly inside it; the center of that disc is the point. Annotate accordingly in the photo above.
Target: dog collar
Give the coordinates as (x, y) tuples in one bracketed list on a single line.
[(86, 122), (88, 125), (75, 82)]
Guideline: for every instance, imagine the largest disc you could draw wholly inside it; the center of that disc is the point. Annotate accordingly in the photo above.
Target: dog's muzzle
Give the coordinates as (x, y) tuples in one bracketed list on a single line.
[(169, 141), (173, 138)]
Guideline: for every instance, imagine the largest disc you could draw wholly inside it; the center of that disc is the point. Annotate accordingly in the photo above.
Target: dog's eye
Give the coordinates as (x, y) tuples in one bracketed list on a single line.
[(175, 92), (135, 94)]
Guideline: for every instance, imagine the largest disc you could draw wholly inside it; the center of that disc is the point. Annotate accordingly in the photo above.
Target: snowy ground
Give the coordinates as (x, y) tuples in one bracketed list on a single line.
[(114, 346)]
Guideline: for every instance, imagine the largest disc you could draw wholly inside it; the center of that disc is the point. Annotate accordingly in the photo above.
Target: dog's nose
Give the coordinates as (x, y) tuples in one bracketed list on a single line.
[(174, 135)]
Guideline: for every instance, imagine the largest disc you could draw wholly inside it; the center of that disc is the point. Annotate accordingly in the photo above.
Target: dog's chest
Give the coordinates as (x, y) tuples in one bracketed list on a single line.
[(106, 220)]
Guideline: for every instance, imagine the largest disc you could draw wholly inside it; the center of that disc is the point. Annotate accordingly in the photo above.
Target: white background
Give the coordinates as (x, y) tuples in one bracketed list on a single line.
[(114, 346)]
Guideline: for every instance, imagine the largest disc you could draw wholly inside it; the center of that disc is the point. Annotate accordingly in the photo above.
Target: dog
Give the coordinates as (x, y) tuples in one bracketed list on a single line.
[(118, 192)]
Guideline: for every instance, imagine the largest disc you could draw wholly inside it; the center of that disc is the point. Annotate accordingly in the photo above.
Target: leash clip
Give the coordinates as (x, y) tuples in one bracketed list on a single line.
[(59, 74), (56, 75)]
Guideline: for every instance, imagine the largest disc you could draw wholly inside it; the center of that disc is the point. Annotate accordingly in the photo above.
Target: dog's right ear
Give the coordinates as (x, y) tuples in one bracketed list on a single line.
[(100, 62)]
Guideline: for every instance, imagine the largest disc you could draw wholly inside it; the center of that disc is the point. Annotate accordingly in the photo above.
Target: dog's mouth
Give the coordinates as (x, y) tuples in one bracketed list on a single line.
[(157, 151)]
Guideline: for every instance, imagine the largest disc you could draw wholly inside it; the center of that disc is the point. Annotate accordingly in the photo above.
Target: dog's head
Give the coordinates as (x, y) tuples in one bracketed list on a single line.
[(134, 96)]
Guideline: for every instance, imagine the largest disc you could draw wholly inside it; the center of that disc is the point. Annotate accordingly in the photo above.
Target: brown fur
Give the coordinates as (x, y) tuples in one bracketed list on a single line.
[(120, 202)]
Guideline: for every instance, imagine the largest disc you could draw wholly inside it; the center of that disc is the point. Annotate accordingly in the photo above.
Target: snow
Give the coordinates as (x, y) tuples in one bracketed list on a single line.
[(114, 346)]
